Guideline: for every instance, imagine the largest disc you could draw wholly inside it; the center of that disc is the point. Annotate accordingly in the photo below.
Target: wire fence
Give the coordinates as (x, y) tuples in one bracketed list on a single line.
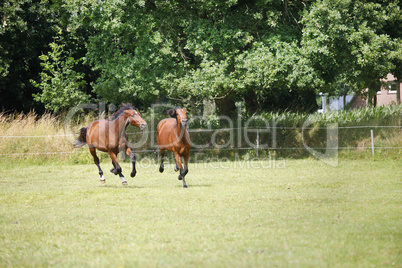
[(207, 130), (262, 139)]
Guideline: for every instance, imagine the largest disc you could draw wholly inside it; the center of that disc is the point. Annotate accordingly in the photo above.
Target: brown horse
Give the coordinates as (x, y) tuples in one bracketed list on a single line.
[(172, 135), (110, 136)]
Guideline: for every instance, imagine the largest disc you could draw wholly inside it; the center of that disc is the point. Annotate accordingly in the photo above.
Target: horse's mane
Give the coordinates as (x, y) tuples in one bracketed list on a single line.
[(125, 106)]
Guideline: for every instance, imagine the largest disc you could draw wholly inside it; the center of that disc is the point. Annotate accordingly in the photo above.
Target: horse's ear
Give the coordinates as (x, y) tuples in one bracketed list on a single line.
[(172, 113)]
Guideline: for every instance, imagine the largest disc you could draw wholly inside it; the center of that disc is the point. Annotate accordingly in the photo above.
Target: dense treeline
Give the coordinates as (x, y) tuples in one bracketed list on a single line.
[(267, 54)]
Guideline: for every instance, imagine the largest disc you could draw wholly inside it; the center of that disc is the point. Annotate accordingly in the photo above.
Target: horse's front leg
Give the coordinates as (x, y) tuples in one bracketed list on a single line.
[(117, 169), (182, 170), (133, 160), (186, 158), (176, 168)]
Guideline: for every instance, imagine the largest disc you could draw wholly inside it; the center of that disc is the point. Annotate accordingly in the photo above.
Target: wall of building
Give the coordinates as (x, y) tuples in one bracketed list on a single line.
[(384, 96)]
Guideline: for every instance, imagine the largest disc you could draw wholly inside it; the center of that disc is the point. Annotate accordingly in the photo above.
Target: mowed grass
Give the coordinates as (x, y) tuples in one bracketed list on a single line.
[(234, 214)]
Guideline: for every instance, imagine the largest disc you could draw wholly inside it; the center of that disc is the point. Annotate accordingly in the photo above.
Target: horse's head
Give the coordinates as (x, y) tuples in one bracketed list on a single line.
[(180, 114), (135, 119)]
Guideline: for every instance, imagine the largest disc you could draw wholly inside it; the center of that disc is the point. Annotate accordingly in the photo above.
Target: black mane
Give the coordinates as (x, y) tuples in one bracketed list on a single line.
[(125, 106)]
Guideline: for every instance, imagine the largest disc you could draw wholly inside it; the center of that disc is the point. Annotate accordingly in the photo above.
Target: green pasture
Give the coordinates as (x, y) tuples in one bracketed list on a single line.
[(283, 213)]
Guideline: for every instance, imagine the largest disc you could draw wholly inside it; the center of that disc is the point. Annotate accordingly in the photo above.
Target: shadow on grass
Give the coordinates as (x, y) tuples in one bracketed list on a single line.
[(121, 186), (151, 186), (194, 185)]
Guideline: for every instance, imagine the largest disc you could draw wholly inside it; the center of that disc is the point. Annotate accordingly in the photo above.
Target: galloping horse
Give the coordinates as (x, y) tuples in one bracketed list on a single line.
[(172, 135), (110, 136)]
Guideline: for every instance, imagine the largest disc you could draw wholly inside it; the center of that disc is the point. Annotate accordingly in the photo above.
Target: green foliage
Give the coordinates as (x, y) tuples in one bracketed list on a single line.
[(270, 54), (25, 31), (345, 41), (61, 86)]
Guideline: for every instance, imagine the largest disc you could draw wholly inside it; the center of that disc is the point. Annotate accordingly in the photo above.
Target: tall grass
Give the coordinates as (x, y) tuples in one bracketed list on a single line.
[(41, 137), (383, 115), (33, 136), (386, 115)]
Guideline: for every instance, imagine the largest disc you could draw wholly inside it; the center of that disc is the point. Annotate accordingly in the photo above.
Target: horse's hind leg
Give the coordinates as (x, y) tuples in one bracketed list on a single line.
[(162, 168), (133, 160), (117, 169), (96, 160)]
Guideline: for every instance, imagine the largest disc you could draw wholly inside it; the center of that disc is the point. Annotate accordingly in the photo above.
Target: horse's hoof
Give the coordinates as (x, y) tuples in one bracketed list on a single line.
[(133, 174), (103, 181), (180, 177), (176, 169), (185, 186), (161, 169), (124, 183)]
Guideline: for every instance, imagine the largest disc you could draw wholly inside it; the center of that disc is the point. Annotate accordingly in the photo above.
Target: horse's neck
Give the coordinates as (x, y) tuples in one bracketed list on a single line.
[(121, 124), (183, 136), (178, 128)]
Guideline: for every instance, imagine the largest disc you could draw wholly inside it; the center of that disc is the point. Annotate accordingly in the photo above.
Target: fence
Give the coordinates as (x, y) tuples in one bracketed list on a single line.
[(255, 141)]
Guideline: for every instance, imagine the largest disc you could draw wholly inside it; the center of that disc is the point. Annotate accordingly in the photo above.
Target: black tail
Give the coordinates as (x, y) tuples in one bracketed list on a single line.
[(82, 139)]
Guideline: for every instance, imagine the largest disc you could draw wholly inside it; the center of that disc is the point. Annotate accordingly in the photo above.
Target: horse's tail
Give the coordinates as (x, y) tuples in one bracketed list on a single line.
[(82, 138)]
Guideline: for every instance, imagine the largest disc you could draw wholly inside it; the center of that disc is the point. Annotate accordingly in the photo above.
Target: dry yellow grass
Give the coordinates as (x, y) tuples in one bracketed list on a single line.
[(33, 136), (30, 134)]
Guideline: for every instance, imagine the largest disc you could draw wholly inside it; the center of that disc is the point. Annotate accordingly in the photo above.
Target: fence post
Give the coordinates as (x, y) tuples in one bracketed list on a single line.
[(372, 142), (258, 140)]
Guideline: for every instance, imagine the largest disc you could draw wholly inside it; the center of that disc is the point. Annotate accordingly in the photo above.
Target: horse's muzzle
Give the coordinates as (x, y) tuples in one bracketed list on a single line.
[(143, 126), (184, 122)]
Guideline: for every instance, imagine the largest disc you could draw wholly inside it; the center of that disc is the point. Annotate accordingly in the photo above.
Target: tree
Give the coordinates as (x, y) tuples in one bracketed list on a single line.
[(393, 28), (268, 54), (277, 74), (347, 45), (247, 52), (184, 50), (61, 86), (25, 31), (127, 50)]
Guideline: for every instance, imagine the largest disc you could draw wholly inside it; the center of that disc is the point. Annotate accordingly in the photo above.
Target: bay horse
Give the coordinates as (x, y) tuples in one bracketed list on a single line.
[(172, 135), (109, 135)]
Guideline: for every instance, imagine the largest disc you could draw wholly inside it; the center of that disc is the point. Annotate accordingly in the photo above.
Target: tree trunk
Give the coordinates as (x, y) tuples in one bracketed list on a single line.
[(372, 94), (226, 106), (251, 101), (398, 91), (345, 94)]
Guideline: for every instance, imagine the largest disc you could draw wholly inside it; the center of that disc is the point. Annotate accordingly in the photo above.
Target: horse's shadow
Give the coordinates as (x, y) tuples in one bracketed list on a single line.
[(150, 186), (121, 186), (195, 186)]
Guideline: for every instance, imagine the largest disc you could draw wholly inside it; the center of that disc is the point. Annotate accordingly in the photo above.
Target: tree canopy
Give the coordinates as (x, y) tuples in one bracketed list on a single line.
[(268, 54)]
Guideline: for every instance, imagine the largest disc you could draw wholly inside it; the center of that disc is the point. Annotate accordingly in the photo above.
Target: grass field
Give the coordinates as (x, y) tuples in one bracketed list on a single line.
[(234, 214)]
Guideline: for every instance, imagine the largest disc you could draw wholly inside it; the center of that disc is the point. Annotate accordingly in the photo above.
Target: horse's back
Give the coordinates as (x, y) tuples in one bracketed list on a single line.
[(96, 135), (92, 131), (166, 125)]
